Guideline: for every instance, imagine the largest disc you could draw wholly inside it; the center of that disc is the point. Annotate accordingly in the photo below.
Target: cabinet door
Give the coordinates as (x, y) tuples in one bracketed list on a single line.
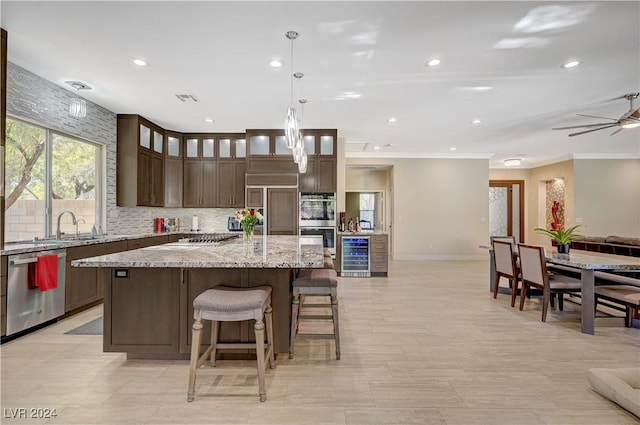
[(157, 182), (308, 182), (326, 174), (282, 211), (254, 197), (209, 185), (192, 190), (240, 170), (226, 175), (173, 182), (144, 177)]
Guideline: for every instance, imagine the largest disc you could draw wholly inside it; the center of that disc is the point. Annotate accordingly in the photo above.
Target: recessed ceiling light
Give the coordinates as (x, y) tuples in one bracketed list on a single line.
[(512, 162), (476, 122), (571, 64), (392, 119), (433, 62), (452, 149), (140, 62), (208, 120), (276, 63), (376, 148)]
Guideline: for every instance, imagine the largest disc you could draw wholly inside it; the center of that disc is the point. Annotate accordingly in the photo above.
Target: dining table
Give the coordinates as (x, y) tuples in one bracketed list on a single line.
[(586, 263)]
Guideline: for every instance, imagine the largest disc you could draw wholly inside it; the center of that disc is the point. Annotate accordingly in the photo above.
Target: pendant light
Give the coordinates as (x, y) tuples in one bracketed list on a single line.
[(77, 105), (291, 123)]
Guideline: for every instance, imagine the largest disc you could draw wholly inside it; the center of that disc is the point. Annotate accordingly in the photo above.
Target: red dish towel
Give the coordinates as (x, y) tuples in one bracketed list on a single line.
[(46, 273)]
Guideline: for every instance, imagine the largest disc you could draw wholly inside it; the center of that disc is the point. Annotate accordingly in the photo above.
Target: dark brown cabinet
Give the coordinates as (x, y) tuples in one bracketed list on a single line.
[(199, 177), (140, 159), (282, 211), (231, 179), (320, 146), (267, 153), (199, 183), (173, 170), (83, 285)]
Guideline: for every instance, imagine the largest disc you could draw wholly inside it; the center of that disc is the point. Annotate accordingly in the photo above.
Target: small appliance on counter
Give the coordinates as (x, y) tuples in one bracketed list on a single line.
[(233, 225)]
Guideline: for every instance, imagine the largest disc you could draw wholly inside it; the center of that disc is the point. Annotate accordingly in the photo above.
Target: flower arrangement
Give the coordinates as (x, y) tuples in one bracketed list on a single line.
[(248, 218), (560, 236)]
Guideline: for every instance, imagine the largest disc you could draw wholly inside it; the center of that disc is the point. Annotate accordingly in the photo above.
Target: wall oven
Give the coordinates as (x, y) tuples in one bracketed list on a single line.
[(328, 236), (317, 210)]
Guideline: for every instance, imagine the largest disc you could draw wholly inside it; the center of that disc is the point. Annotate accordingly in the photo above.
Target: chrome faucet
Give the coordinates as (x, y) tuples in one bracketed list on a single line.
[(75, 223)]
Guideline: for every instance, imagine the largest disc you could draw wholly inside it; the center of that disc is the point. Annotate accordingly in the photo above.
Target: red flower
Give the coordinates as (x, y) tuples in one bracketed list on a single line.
[(252, 212)]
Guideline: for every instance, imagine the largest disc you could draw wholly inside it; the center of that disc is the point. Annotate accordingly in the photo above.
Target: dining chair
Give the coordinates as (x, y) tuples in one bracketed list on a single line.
[(505, 266), (533, 267)]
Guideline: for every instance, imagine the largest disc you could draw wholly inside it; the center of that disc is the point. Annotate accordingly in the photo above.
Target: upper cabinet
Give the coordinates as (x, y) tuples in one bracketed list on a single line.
[(199, 146), (321, 146), (264, 143), (140, 158), (267, 153), (173, 181), (232, 146), (232, 152)]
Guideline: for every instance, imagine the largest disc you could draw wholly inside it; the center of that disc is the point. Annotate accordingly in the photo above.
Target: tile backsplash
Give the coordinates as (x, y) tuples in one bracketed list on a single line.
[(126, 221)]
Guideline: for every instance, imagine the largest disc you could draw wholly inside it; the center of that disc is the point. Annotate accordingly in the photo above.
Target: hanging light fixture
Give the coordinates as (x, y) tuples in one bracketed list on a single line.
[(77, 105), (291, 123)]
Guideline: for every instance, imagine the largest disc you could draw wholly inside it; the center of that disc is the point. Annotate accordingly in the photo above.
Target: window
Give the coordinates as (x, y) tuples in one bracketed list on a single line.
[(47, 172), (367, 211)]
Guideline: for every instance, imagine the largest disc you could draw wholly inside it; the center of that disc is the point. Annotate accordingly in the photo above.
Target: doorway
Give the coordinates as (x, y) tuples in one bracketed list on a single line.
[(506, 208)]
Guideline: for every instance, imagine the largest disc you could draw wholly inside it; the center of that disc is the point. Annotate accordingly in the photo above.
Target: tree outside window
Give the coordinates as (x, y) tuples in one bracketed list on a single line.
[(35, 185)]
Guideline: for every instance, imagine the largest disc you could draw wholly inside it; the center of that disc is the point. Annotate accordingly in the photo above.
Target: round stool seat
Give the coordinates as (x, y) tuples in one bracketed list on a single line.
[(224, 299)]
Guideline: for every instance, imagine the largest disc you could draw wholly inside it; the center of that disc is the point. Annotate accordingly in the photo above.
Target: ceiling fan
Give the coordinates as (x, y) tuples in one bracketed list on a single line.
[(630, 119)]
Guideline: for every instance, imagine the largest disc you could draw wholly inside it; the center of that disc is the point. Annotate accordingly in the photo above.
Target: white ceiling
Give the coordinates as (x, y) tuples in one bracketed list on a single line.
[(363, 63)]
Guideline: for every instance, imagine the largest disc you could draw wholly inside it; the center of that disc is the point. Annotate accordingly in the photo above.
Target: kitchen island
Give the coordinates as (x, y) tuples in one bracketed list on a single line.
[(149, 292)]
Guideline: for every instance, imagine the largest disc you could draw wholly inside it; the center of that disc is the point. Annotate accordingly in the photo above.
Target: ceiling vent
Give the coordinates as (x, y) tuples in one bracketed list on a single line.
[(187, 97), (356, 146)]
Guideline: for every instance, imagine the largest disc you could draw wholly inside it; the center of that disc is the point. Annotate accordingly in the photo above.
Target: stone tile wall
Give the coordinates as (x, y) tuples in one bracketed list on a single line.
[(32, 98)]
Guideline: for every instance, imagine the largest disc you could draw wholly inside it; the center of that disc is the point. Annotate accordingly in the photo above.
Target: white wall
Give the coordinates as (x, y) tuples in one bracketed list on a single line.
[(440, 207), (607, 196)]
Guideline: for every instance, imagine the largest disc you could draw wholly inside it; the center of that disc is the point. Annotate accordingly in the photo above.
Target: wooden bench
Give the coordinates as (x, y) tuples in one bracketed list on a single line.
[(618, 290)]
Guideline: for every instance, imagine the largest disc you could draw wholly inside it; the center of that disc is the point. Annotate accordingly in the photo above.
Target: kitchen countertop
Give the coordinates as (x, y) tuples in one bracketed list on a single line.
[(272, 251), (20, 248), (362, 233)]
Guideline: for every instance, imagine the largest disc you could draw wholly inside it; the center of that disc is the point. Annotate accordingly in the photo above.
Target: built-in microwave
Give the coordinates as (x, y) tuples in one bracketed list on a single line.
[(328, 236), (317, 210)]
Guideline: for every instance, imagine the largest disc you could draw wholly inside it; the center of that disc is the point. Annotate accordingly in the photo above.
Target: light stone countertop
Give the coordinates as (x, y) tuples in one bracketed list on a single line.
[(12, 248), (272, 251)]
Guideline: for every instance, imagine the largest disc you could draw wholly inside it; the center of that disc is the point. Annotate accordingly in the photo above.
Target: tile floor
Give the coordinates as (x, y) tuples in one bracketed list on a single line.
[(428, 345)]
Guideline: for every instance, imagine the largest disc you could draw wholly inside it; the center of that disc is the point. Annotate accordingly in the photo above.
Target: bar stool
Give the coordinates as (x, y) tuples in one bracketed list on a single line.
[(321, 282), (226, 304)]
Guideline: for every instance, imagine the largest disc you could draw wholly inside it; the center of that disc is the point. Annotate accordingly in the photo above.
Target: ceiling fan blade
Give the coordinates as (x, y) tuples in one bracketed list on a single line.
[(595, 129), (582, 126), (617, 131), (636, 114), (593, 116)]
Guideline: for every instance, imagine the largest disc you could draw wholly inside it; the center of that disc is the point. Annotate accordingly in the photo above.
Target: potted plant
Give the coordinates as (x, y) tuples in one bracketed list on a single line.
[(562, 237)]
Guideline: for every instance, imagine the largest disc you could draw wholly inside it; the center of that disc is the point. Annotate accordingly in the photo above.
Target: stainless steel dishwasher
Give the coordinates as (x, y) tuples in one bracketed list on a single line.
[(30, 307)]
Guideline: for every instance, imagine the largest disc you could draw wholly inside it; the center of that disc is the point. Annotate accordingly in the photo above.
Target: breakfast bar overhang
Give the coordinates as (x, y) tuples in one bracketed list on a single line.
[(149, 292)]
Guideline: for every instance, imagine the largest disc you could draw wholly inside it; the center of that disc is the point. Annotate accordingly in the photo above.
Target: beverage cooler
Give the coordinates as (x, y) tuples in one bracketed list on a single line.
[(355, 256)]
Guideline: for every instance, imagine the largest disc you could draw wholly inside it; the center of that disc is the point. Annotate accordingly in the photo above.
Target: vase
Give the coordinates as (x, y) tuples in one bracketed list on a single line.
[(564, 249), (247, 235)]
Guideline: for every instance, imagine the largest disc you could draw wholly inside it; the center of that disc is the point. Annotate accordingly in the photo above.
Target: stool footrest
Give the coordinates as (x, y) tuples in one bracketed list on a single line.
[(315, 316), (316, 336), (250, 371)]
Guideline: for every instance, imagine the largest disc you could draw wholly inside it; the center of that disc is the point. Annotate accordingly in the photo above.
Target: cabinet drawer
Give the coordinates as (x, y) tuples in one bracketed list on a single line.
[(378, 258), (379, 246), (379, 267)]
